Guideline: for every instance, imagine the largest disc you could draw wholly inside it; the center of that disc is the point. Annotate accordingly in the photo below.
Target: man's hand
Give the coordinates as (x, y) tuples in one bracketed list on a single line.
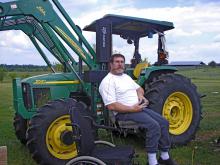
[(142, 100), (138, 107)]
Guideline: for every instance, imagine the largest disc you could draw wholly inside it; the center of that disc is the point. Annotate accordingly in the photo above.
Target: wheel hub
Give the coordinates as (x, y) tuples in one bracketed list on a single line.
[(67, 137), (178, 111), (58, 139)]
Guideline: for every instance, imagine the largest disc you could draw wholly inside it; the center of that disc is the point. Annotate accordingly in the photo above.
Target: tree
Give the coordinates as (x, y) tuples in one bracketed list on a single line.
[(25, 75), (2, 74), (12, 75), (58, 67), (212, 64)]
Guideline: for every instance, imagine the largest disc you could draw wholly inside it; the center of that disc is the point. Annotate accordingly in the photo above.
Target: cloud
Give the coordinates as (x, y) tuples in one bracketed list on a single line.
[(192, 27), (88, 6), (196, 29), (19, 56), (203, 52), (189, 21), (14, 39), (216, 38)]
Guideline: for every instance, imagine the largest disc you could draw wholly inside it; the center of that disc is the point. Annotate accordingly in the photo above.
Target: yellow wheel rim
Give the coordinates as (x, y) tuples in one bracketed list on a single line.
[(178, 111), (54, 144)]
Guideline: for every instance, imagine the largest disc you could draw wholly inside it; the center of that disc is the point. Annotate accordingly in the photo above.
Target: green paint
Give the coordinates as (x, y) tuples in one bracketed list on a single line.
[(41, 22)]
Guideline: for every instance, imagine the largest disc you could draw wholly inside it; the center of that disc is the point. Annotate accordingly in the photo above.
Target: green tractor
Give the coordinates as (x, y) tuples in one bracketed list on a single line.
[(42, 102)]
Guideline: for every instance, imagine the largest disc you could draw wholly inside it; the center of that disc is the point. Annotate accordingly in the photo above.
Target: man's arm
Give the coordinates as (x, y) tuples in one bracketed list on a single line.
[(141, 98), (121, 108), (140, 92)]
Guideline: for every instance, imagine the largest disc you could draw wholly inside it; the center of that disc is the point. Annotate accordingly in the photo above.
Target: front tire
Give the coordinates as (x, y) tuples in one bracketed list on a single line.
[(20, 126), (175, 97), (45, 132)]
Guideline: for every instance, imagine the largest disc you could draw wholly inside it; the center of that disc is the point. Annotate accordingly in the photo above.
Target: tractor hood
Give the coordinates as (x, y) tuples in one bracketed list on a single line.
[(51, 79)]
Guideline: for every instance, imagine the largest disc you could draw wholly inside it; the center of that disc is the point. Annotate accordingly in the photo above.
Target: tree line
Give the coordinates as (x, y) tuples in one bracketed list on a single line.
[(23, 68), (4, 69), (10, 70)]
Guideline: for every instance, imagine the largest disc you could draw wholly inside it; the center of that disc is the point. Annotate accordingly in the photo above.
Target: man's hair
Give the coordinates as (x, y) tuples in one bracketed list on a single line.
[(115, 56)]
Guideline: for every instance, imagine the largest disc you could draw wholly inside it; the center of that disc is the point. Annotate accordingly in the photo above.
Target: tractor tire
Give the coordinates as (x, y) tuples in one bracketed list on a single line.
[(20, 126), (45, 132), (175, 97)]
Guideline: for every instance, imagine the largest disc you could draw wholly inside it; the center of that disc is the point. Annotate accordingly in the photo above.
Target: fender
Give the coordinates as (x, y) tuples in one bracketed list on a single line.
[(148, 73)]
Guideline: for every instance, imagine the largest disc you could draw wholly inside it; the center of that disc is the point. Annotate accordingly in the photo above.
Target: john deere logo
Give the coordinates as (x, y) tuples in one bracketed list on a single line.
[(104, 32), (40, 82), (41, 10)]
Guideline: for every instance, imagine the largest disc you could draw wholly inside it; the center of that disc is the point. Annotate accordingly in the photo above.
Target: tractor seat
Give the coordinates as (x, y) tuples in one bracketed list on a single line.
[(83, 135), (128, 124), (138, 68)]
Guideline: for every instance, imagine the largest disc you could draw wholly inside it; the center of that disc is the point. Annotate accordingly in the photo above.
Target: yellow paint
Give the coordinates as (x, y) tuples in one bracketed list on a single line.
[(71, 42), (139, 67), (56, 82), (178, 111), (40, 82), (41, 10), (54, 144)]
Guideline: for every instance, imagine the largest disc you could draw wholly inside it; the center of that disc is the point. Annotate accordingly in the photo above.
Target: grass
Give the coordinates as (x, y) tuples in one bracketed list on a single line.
[(202, 149), (17, 153)]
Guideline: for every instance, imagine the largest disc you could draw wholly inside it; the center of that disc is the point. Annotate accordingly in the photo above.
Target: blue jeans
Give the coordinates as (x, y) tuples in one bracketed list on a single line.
[(157, 134)]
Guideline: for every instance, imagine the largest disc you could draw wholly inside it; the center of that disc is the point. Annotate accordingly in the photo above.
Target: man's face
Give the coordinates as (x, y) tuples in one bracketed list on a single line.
[(118, 66)]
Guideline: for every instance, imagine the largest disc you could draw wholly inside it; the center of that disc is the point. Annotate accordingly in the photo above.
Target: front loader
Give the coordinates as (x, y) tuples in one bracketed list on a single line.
[(42, 102)]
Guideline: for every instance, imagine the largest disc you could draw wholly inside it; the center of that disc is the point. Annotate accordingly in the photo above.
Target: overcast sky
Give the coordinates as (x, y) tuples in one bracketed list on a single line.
[(196, 36)]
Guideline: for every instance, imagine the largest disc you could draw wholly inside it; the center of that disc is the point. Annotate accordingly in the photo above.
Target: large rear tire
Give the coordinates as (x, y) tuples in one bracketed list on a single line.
[(20, 126), (176, 98), (46, 131)]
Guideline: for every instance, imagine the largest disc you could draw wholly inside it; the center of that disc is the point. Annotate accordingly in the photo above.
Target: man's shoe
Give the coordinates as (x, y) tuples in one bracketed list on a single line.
[(169, 161)]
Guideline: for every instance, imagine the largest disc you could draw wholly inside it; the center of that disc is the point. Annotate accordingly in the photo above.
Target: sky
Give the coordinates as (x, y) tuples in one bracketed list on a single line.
[(196, 36)]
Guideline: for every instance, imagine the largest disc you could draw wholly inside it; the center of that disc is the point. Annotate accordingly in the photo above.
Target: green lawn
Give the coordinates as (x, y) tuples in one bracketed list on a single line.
[(202, 148)]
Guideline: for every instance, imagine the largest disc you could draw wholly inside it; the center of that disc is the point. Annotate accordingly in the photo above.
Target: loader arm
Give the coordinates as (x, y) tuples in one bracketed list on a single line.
[(20, 23), (32, 29), (45, 15)]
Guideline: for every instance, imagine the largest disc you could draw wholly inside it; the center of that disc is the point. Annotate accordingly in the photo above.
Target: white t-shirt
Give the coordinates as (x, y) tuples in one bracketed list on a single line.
[(119, 88)]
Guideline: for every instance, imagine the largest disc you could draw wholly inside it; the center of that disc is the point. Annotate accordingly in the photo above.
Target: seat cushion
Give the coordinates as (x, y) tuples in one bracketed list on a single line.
[(114, 155)]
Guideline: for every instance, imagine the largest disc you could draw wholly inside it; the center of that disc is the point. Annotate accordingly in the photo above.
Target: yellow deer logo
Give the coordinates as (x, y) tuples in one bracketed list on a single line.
[(41, 10)]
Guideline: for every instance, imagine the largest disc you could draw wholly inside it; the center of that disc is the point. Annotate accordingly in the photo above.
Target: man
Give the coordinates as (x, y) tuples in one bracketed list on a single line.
[(126, 99)]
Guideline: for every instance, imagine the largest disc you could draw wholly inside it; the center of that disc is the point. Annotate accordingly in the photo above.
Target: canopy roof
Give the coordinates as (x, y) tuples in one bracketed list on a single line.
[(125, 25)]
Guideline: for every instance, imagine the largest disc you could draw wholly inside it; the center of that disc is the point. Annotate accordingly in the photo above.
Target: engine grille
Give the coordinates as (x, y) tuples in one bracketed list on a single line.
[(26, 92), (41, 96)]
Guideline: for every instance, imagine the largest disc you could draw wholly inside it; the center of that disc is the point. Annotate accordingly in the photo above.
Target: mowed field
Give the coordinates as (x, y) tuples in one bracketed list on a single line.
[(201, 151)]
